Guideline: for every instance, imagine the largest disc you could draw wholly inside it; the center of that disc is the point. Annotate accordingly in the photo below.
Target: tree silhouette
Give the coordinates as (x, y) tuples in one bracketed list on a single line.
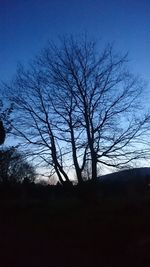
[(2, 133), (76, 105), (5, 120), (14, 167)]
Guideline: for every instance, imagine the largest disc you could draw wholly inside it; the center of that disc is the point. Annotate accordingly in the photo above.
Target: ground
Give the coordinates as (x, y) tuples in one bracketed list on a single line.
[(74, 232)]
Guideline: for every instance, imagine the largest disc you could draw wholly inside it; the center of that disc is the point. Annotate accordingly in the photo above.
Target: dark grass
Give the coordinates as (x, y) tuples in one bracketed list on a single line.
[(75, 230)]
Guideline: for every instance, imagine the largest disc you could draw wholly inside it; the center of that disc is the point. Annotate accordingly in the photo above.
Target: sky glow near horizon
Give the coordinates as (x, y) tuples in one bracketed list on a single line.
[(26, 25)]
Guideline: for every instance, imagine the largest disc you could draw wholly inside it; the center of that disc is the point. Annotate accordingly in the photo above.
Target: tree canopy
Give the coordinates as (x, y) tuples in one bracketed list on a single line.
[(14, 168), (78, 106), (5, 120)]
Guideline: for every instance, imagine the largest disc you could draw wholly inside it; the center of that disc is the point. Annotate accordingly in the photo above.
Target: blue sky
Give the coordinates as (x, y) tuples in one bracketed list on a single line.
[(26, 25)]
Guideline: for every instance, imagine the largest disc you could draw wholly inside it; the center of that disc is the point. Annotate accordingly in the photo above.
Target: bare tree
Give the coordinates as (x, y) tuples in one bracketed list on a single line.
[(77, 105), (98, 97)]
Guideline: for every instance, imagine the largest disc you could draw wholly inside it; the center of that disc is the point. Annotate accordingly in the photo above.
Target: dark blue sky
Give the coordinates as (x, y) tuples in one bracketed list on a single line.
[(26, 25)]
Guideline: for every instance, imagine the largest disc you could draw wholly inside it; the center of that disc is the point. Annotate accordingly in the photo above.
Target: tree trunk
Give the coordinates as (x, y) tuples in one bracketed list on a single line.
[(57, 165), (94, 165), (59, 175), (74, 154)]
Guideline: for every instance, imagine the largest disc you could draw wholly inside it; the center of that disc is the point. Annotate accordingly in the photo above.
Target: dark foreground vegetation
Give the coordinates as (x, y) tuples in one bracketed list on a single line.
[(73, 226)]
